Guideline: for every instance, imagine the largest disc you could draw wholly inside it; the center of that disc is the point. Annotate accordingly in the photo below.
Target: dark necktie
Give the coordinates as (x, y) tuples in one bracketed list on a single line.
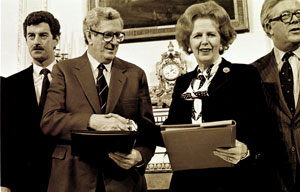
[(102, 87), (45, 87), (287, 82)]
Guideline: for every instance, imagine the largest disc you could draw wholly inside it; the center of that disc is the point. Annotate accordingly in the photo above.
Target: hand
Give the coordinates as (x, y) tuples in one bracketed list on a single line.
[(233, 154), (108, 122), (126, 161)]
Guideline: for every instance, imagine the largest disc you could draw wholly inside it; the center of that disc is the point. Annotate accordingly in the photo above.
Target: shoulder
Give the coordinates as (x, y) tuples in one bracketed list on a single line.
[(242, 72), (26, 73), (120, 63), (264, 60)]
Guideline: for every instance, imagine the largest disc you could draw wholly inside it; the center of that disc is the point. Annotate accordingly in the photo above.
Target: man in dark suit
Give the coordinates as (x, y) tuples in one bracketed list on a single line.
[(281, 22), (27, 156), (73, 103)]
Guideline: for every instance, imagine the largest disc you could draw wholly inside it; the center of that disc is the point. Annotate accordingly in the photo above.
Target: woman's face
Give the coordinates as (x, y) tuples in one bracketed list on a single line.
[(205, 41)]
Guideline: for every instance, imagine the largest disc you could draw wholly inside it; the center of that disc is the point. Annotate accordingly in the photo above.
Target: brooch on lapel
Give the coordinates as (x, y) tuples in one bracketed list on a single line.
[(226, 70)]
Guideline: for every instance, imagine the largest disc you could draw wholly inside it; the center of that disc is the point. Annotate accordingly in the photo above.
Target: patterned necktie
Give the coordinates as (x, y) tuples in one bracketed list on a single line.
[(102, 87), (45, 86), (287, 82)]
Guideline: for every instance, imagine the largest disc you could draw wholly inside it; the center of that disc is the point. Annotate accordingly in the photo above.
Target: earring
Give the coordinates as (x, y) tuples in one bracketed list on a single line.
[(221, 49), (189, 50)]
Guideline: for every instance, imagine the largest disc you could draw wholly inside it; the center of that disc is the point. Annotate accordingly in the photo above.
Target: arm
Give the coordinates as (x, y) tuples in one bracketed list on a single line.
[(147, 131), (59, 117)]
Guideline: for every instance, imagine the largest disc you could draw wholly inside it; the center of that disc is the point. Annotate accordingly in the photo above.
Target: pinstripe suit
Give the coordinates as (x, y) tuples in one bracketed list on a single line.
[(289, 125)]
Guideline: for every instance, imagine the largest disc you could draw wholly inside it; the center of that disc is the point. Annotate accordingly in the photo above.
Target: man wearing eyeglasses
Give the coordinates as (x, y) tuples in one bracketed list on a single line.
[(101, 92), (280, 73)]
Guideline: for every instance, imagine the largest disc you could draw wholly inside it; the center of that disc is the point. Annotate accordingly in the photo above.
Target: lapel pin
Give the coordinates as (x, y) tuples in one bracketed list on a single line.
[(226, 70)]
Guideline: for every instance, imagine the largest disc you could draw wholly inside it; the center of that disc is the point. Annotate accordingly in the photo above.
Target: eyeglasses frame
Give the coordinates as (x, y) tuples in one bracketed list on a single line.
[(279, 18), (114, 35)]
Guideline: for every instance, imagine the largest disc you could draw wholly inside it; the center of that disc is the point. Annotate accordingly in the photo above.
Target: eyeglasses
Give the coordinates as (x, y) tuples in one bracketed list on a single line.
[(108, 36), (286, 17)]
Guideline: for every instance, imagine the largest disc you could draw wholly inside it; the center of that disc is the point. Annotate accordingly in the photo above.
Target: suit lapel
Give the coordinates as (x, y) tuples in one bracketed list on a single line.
[(83, 72), (271, 82), (117, 82), (221, 77), (298, 106), (28, 85)]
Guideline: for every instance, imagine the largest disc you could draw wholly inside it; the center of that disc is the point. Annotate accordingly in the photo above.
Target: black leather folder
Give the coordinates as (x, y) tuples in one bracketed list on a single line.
[(96, 144)]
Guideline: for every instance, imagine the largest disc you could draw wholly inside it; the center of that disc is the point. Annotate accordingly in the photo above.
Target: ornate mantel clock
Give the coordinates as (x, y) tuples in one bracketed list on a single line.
[(168, 69)]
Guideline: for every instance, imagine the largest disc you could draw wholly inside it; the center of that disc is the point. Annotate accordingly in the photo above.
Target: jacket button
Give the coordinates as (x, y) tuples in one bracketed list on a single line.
[(293, 149)]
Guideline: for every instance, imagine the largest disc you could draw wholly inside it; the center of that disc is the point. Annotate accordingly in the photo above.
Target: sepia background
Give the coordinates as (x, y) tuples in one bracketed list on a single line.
[(14, 54)]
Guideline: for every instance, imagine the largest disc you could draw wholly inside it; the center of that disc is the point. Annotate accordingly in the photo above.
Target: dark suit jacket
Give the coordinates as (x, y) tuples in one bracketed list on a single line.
[(288, 124), (234, 93), (72, 99), (27, 160)]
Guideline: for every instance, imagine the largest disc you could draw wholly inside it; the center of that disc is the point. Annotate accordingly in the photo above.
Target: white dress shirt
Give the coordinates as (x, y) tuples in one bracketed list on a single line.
[(295, 64), (38, 78), (94, 65)]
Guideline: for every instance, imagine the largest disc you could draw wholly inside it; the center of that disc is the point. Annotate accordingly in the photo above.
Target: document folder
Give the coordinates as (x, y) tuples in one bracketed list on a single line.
[(96, 144), (191, 146)]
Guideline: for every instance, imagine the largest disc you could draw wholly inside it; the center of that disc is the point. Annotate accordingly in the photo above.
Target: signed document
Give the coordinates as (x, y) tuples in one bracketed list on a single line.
[(191, 146)]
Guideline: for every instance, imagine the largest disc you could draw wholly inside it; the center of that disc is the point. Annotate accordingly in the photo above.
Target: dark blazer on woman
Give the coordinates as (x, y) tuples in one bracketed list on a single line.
[(234, 93)]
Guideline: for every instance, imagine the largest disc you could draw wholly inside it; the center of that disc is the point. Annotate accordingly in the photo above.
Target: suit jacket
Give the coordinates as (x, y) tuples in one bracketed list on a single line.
[(27, 160), (72, 98), (234, 93), (288, 124)]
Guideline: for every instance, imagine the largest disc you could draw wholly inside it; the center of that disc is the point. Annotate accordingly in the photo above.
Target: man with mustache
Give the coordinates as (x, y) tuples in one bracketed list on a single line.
[(101, 92), (28, 157), (280, 73)]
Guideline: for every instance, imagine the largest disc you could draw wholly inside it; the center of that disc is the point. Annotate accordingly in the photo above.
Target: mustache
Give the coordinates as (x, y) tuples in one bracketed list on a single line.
[(37, 48)]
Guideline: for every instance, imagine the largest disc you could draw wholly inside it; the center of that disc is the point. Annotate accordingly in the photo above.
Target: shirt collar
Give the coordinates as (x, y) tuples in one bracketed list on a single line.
[(37, 69), (215, 66), (95, 63), (279, 54)]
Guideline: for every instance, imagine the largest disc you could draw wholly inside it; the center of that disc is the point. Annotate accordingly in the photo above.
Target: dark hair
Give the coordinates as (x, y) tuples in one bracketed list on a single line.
[(212, 10), (38, 17)]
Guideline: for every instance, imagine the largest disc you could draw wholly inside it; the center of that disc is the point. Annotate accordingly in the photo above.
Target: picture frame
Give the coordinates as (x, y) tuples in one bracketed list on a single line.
[(149, 20)]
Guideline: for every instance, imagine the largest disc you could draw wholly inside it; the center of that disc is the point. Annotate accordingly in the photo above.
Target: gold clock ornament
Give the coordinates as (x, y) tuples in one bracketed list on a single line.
[(171, 71), (168, 70)]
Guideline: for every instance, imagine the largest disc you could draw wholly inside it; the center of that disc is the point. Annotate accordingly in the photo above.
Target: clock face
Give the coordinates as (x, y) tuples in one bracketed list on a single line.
[(171, 71)]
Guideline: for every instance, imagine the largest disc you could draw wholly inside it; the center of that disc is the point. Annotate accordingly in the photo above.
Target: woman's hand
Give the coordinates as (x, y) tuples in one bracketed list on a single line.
[(234, 154)]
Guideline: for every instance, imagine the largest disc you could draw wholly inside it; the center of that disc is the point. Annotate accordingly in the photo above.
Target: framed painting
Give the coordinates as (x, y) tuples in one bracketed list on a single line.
[(148, 20)]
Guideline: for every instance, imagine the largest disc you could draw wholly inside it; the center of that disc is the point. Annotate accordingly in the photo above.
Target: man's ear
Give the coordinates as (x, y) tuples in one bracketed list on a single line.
[(269, 30), (57, 38), (88, 36)]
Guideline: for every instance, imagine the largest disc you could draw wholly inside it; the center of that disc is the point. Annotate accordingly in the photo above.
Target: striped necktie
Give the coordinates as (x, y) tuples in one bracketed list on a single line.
[(102, 87), (287, 82)]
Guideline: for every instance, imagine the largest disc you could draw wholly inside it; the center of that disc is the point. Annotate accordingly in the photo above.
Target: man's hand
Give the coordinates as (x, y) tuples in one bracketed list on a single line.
[(108, 122), (126, 161), (234, 154)]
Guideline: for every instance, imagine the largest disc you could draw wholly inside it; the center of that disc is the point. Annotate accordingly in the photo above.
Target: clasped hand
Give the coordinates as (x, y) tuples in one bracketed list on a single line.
[(233, 154), (108, 122), (126, 161)]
